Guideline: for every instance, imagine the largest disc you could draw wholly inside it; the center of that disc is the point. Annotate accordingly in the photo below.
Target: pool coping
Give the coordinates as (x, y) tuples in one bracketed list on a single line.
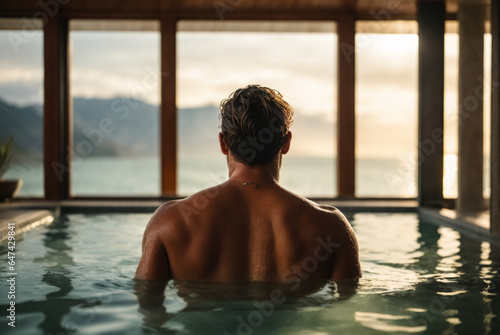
[(149, 206), (29, 214), (23, 220), (469, 223)]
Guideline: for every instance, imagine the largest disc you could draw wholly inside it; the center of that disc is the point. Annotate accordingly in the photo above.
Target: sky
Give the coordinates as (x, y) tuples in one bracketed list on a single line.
[(211, 65)]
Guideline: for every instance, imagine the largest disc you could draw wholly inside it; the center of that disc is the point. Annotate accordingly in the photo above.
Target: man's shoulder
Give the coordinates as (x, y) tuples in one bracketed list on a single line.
[(323, 209), (167, 221), (332, 214), (311, 210), (166, 214), (331, 210), (182, 210)]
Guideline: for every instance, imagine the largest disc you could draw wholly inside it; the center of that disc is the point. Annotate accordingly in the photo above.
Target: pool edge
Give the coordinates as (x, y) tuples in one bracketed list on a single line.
[(470, 225), (23, 220)]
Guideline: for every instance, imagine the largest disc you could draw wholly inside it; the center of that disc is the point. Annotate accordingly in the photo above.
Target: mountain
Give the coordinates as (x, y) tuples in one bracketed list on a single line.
[(122, 126), (111, 127), (198, 129), (26, 124), (115, 127)]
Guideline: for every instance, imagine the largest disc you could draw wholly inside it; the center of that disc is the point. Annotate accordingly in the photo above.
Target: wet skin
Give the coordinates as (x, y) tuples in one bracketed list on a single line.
[(237, 232)]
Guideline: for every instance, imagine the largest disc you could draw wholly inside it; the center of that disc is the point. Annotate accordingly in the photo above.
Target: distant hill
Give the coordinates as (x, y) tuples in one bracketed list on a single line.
[(127, 127), (132, 127), (26, 124)]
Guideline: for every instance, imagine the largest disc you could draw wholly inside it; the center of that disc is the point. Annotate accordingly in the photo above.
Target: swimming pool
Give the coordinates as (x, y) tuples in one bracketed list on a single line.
[(74, 277)]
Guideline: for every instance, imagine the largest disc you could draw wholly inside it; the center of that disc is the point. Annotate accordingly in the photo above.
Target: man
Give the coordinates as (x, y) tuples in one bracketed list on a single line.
[(249, 228)]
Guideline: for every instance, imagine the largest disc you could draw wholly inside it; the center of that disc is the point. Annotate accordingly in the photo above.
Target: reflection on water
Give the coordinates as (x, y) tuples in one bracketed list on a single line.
[(387, 322), (75, 277), (57, 262), (449, 296), (243, 308)]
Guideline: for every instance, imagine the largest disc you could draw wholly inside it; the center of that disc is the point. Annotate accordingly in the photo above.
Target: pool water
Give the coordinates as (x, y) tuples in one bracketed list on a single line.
[(74, 276)]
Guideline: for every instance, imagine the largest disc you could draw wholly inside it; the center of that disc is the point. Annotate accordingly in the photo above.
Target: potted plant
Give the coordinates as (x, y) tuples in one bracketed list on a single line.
[(8, 187)]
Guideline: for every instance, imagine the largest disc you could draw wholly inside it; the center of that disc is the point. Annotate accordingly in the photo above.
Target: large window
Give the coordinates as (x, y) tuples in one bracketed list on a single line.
[(21, 100), (114, 85), (450, 136), (296, 58), (451, 111), (386, 108), (487, 115), (115, 91)]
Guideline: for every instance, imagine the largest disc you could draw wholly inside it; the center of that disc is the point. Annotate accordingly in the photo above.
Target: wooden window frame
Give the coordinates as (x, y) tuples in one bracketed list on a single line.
[(57, 118)]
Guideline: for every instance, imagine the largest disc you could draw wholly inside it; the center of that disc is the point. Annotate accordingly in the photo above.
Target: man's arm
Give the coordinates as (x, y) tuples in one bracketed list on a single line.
[(345, 265), (154, 260)]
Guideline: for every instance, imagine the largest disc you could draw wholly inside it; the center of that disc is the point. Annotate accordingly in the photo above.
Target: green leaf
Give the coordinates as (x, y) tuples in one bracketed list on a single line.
[(5, 155)]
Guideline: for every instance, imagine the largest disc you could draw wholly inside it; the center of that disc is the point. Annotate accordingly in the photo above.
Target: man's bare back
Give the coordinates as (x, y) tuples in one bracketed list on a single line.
[(234, 233), (249, 228)]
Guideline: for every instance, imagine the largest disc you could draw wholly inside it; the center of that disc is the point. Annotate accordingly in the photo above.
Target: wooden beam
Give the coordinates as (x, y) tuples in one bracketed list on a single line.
[(57, 128), (431, 18), (471, 17), (212, 14), (345, 107), (495, 120), (168, 117)]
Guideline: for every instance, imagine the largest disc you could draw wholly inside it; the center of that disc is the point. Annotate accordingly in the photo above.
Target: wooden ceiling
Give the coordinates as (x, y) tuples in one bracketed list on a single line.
[(362, 9)]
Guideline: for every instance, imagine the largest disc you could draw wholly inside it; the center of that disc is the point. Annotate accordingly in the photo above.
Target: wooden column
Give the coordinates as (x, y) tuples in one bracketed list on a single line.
[(471, 17), (345, 107), (56, 128), (168, 127), (431, 18), (495, 120)]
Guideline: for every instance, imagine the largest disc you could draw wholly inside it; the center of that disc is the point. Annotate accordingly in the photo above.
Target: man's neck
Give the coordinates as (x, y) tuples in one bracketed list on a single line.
[(257, 174)]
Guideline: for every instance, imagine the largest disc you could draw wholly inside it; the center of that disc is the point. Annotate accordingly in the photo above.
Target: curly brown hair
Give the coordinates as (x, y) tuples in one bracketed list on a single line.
[(254, 122)]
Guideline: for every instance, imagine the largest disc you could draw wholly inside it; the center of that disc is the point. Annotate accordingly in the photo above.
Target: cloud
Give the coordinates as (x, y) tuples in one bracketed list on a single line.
[(379, 139), (211, 65), (300, 66)]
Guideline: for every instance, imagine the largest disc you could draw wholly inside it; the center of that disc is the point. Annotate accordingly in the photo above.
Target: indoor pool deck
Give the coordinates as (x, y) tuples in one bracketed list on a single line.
[(28, 214), (475, 223), (23, 219)]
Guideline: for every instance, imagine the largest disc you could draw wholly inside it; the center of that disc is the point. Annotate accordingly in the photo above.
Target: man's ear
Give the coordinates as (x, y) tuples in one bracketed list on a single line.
[(286, 146), (223, 146)]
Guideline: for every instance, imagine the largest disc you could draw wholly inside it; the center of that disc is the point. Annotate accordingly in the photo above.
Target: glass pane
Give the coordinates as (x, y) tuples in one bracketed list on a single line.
[(298, 59), (487, 115), (21, 101), (115, 89), (386, 109), (450, 136), (451, 116)]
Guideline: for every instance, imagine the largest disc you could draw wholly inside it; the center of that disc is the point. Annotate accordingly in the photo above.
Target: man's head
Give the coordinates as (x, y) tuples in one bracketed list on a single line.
[(255, 124)]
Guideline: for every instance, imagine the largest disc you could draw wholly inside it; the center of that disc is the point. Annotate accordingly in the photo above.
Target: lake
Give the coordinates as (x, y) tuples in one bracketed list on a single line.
[(140, 176)]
